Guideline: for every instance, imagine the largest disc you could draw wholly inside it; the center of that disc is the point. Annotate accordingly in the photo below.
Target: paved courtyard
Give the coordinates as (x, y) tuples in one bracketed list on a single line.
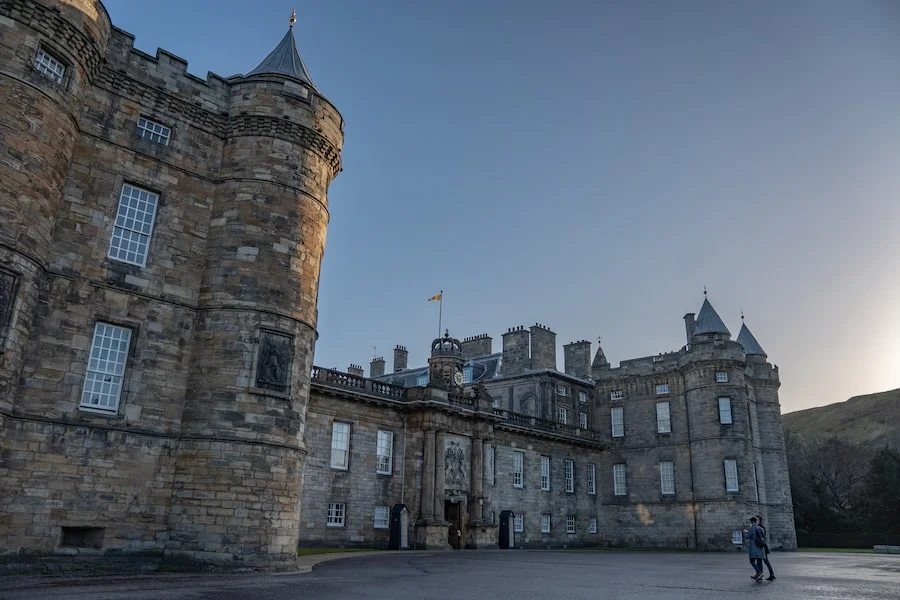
[(513, 575)]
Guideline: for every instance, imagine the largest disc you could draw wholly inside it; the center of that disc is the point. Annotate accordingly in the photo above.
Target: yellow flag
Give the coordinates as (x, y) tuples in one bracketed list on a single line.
[(435, 297)]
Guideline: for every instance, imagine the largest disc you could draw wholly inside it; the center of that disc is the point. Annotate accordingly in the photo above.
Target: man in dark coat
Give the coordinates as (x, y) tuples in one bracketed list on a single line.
[(757, 552)]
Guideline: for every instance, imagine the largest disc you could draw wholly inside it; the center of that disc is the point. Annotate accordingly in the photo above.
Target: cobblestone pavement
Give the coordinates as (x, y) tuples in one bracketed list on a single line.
[(508, 575)]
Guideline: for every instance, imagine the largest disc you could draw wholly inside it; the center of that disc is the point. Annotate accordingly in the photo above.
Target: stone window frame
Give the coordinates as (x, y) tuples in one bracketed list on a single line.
[(570, 524), (562, 415), (582, 397), (592, 525), (729, 412), (545, 473), (583, 420), (569, 470), (730, 464), (382, 521), (518, 522), (45, 68), (337, 514), (6, 312), (150, 129), (157, 198), (518, 470), (617, 421), (721, 376), (620, 484), (132, 334), (255, 387), (663, 417), (592, 479), (343, 465), (662, 389), (667, 478), (546, 522), (617, 395), (384, 452), (562, 390)]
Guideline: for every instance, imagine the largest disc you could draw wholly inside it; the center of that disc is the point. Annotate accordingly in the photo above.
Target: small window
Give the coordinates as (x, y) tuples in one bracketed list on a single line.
[(545, 473), (663, 418), (467, 375), (519, 523), (153, 131), (495, 402), (49, 66), (619, 488), (570, 523), (662, 389), (422, 380), (106, 368), (592, 525), (725, 411), (133, 226), (562, 414), (336, 514), (617, 414), (592, 479), (545, 523), (562, 390), (518, 469), (667, 478), (721, 377), (340, 445), (82, 537), (382, 517), (731, 475), (582, 397), (737, 537), (384, 452), (582, 420), (570, 476), (616, 395)]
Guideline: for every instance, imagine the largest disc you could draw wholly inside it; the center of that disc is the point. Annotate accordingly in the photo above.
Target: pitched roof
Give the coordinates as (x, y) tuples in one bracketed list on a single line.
[(285, 60), (708, 321), (599, 358), (751, 346)]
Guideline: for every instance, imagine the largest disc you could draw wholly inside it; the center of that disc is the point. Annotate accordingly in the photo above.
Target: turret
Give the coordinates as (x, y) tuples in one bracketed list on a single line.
[(445, 363)]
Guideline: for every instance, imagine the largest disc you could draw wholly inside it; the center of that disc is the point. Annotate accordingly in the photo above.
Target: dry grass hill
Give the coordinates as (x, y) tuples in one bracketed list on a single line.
[(873, 420)]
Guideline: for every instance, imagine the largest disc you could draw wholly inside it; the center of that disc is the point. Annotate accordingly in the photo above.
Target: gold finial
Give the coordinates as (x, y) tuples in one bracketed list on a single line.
[(293, 18)]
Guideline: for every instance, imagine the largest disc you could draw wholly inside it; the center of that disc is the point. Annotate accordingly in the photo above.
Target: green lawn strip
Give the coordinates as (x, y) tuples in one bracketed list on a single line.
[(311, 551)]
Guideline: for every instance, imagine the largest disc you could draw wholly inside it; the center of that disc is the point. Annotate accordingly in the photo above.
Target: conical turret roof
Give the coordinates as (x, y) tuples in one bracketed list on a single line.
[(708, 320), (751, 346), (285, 59), (599, 358)]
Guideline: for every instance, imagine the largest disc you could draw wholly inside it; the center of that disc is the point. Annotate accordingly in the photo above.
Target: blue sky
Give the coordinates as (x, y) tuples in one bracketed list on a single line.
[(592, 166)]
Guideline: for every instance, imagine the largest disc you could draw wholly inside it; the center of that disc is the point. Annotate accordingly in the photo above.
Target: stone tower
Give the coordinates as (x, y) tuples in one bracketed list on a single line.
[(446, 363)]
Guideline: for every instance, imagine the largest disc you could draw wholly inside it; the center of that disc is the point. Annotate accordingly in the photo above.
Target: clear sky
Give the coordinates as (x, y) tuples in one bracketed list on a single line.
[(592, 165)]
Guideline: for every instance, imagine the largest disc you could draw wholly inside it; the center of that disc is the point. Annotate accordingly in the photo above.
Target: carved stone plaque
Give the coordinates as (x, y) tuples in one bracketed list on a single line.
[(273, 367), (7, 299), (455, 465)]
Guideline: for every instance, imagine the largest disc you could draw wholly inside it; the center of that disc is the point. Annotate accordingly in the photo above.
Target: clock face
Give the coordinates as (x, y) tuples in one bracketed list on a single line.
[(458, 378)]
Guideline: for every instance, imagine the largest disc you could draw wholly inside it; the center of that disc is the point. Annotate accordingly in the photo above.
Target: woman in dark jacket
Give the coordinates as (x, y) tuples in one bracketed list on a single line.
[(757, 553)]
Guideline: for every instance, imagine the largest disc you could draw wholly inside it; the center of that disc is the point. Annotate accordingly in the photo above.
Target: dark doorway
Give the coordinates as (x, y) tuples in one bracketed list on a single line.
[(453, 514)]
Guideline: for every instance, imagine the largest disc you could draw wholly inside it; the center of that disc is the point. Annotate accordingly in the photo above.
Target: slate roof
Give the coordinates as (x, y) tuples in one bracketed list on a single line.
[(751, 346), (483, 369), (285, 60), (708, 321)]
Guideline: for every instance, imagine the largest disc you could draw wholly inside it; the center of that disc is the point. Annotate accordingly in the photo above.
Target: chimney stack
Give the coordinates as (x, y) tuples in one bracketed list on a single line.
[(577, 359), (477, 346), (689, 325), (356, 370), (515, 352), (543, 347), (376, 367), (401, 356)]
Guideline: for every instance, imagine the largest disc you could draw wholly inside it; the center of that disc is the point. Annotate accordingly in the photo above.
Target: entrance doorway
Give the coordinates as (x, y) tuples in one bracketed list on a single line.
[(455, 533)]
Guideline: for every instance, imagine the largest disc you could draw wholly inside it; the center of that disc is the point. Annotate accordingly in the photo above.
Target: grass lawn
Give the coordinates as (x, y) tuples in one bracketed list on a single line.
[(310, 551)]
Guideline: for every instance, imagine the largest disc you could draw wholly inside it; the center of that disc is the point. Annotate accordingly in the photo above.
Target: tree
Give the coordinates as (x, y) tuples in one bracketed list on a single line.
[(883, 492)]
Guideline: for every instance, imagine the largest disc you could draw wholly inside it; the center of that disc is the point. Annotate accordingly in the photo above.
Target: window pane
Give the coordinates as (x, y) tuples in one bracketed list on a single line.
[(618, 421), (340, 445), (106, 367), (663, 420), (133, 225)]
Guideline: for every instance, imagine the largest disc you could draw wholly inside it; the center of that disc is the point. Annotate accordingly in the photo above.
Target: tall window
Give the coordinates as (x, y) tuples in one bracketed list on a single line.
[(106, 367), (545, 473), (519, 523), (492, 472), (619, 480), (616, 395), (518, 469), (570, 476), (562, 414), (382, 517), (617, 413), (725, 411), (570, 523), (545, 523), (384, 452), (592, 478), (582, 420), (582, 397), (662, 388), (721, 377), (336, 513), (663, 418), (667, 477), (340, 445), (153, 131), (592, 525), (49, 66), (562, 390), (134, 224), (731, 475)]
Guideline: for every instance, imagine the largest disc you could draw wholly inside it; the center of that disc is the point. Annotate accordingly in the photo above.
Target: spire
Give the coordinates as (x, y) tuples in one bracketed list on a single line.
[(285, 59), (708, 320), (599, 357), (746, 339)]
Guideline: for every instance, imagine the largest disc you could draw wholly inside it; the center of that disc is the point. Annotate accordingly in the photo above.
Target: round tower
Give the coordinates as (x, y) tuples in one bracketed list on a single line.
[(445, 365), (50, 50), (245, 412)]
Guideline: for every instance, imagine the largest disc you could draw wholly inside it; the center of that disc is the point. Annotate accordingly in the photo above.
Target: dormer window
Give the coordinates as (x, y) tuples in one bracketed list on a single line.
[(467, 375), (49, 66)]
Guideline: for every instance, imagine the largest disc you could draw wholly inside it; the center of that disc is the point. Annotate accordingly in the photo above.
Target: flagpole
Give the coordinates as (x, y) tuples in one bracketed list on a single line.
[(440, 312)]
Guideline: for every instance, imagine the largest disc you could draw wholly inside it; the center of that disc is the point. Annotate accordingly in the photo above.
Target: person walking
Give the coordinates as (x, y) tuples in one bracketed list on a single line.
[(759, 524), (755, 548)]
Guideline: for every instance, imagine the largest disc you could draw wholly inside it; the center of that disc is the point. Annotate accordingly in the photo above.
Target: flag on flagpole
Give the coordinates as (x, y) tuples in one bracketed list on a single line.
[(436, 297)]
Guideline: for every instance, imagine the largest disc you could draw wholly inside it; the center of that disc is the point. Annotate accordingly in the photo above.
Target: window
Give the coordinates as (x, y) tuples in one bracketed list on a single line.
[(545, 473), (616, 395), (340, 445), (562, 390), (467, 375), (49, 66), (662, 388), (384, 452), (518, 469), (562, 414), (495, 402), (519, 523), (106, 367), (617, 413), (582, 420), (153, 131), (721, 377), (592, 478), (731, 475), (570, 523), (737, 537), (382, 517), (592, 525), (545, 523), (336, 514), (619, 480), (582, 397), (725, 411), (134, 224), (667, 477), (492, 473), (570, 476), (422, 380), (663, 418)]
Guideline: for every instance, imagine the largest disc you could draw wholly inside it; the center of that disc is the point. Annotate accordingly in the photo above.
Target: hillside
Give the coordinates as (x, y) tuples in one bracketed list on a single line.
[(873, 419)]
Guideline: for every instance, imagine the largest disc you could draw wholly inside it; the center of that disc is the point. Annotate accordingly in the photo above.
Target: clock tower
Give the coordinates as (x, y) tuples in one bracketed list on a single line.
[(445, 366)]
